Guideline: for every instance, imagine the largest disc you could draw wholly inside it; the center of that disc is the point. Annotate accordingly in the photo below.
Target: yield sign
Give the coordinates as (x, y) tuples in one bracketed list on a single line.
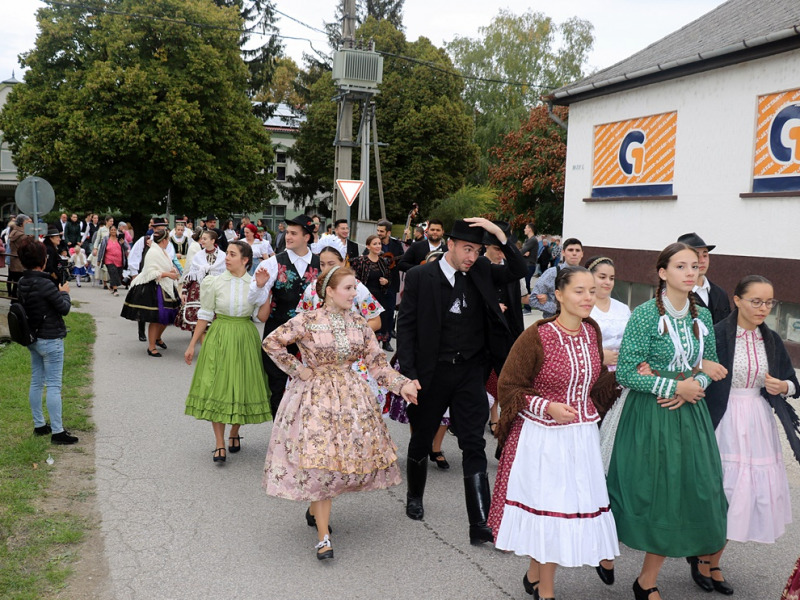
[(349, 189)]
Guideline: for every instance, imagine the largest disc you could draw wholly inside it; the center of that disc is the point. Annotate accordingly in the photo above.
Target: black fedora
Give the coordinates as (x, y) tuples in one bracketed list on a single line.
[(462, 231), (212, 217), (160, 222), (489, 239), (52, 232), (695, 241), (303, 221)]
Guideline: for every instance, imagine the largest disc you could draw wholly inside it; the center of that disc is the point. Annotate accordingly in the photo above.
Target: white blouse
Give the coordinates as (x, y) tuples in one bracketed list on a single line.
[(612, 323), (225, 295), (205, 263)]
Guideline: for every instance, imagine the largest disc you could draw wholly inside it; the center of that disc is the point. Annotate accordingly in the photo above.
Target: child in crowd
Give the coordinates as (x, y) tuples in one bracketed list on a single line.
[(78, 262)]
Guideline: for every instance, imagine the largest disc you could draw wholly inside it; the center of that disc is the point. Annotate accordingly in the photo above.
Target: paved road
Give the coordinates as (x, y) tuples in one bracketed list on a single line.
[(175, 526)]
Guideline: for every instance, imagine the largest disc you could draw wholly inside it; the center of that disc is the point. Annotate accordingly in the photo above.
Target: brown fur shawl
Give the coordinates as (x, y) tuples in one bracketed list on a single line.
[(523, 364)]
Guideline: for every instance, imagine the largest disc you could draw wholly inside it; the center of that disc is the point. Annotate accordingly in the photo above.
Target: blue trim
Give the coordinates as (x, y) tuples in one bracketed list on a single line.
[(631, 191), (776, 184)]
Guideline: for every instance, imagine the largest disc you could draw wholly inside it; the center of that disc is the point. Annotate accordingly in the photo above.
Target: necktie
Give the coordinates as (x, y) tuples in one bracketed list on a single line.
[(459, 292)]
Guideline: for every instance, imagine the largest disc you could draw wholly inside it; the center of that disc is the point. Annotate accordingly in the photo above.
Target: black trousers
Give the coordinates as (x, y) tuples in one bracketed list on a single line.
[(462, 388), (276, 378)]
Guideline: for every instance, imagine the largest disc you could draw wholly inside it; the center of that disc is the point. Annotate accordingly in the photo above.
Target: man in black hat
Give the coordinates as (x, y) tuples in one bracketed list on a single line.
[(52, 244), (211, 225), (707, 294), (298, 267), (447, 315)]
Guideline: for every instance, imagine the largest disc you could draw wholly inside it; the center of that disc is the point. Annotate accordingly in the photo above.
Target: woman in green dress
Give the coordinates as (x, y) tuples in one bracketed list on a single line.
[(228, 385), (665, 476)]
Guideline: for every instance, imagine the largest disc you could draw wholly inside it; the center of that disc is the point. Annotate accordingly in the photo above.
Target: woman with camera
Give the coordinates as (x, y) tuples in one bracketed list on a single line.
[(45, 304)]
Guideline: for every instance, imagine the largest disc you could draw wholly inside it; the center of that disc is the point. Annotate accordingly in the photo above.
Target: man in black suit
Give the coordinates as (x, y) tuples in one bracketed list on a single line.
[(707, 294), (417, 252), (341, 230), (211, 225), (445, 344)]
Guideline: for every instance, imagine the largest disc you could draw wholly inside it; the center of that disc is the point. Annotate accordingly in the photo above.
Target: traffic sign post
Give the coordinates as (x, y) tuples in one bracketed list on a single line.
[(35, 195), (350, 189)]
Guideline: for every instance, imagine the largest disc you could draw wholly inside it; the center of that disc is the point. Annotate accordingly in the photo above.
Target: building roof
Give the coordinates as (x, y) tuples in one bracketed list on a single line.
[(735, 31), (12, 80), (284, 118)]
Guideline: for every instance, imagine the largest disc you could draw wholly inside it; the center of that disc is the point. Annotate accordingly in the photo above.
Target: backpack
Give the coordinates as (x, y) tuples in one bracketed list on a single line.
[(18, 325)]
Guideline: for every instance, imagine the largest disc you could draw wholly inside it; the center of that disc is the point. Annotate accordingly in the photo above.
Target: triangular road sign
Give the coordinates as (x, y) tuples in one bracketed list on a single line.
[(350, 189)]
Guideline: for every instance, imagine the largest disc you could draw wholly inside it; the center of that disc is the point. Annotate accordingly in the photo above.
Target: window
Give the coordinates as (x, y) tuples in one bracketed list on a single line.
[(280, 166)]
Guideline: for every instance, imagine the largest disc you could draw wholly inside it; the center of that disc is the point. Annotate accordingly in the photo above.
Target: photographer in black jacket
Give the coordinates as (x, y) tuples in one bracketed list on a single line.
[(45, 304)]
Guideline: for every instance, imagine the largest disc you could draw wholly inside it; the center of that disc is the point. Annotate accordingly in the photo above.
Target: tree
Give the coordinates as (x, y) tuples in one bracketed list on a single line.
[(285, 84), (420, 115), (469, 201), (529, 173), (530, 50), (119, 111)]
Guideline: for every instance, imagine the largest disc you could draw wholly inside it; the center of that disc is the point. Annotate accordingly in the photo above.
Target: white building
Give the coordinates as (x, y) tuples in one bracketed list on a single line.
[(8, 172), (698, 132)]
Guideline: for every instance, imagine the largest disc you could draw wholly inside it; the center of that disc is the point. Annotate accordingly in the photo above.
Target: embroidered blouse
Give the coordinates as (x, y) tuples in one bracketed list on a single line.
[(571, 367), (225, 295)]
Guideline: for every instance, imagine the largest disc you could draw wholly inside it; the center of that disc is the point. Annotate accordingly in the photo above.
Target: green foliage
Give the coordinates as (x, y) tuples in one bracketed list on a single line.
[(469, 201), (420, 115), (37, 547), (118, 111), (529, 173), (529, 49)]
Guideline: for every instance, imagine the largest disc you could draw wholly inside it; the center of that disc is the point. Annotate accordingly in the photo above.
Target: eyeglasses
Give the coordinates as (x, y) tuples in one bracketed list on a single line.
[(757, 302)]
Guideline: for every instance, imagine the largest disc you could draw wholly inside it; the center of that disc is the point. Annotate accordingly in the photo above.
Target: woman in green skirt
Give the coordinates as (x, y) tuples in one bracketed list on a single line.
[(665, 476), (228, 386)]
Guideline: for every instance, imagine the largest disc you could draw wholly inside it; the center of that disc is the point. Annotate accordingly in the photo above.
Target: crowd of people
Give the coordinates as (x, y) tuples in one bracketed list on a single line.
[(653, 427)]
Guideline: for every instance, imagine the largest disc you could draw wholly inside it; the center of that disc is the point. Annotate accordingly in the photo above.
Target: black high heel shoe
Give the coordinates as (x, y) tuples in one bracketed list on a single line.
[(234, 448), (439, 459), (312, 520), (530, 588), (641, 594), (703, 582), (218, 455), (325, 543), (606, 575), (723, 587)]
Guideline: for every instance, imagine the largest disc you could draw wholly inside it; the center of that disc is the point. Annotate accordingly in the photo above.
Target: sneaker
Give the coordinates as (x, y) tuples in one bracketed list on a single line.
[(64, 438), (43, 430)]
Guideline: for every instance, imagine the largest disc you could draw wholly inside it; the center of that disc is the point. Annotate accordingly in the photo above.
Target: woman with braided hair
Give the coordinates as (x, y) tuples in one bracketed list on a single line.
[(329, 436), (665, 476)]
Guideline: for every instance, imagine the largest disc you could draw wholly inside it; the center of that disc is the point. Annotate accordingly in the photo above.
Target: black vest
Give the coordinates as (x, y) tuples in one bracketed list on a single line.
[(288, 289), (462, 333)]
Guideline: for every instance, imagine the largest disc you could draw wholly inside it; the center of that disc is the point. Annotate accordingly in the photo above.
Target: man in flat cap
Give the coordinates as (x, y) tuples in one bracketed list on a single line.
[(707, 294), (301, 267), (445, 344)]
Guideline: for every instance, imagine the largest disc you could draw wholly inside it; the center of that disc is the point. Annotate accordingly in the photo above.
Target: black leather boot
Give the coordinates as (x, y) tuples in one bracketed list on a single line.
[(142, 336), (417, 474), (476, 491)]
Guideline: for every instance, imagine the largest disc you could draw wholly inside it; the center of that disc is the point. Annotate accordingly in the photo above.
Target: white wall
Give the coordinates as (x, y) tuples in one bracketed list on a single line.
[(713, 165)]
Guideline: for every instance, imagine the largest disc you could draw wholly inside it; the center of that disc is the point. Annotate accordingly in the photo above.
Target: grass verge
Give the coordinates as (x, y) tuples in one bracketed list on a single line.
[(37, 546)]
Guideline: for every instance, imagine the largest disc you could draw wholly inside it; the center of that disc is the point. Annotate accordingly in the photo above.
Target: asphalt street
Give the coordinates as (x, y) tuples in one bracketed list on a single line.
[(176, 526)]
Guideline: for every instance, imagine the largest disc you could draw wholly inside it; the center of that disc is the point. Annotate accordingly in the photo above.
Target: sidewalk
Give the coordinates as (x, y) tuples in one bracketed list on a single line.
[(175, 526)]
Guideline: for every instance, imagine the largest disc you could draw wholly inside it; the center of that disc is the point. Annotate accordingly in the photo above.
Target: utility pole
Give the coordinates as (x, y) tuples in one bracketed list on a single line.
[(343, 162)]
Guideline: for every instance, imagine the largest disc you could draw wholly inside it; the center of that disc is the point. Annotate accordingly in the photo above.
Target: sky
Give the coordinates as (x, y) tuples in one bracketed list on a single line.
[(622, 27)]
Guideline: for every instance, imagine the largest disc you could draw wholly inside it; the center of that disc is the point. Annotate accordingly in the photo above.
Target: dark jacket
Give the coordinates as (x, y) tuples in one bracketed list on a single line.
[(393, 252), (72, 232), (419, 323), (416, 253), (15, 236), (352, 250), (53, 260), (780, 367), (718, 303), (44, 304)]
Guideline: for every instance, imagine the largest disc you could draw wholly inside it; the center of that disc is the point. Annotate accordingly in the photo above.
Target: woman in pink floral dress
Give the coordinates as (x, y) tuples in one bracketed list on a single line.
[(329, 437)]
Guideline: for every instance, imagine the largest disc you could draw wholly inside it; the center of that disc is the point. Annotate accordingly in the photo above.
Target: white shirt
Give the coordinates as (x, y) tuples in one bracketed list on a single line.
[(612, 323), (225, 294), (438, 246), (449, 271), (135, 255), (258, 295), (703, 290)]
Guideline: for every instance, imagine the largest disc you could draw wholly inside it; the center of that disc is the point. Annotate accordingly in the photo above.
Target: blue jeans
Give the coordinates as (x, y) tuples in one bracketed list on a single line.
[(47, 364)]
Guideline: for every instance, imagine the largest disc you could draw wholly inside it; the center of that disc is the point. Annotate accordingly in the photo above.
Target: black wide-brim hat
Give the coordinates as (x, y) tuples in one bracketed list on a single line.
[(160, 222), (52, 232), (695, 241), (212, 217), (489, 239), (462, 231), (303, 221)]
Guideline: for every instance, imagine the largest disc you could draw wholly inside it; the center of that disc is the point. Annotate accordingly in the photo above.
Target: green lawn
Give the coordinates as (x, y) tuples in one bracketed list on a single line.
[(37, 546)]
